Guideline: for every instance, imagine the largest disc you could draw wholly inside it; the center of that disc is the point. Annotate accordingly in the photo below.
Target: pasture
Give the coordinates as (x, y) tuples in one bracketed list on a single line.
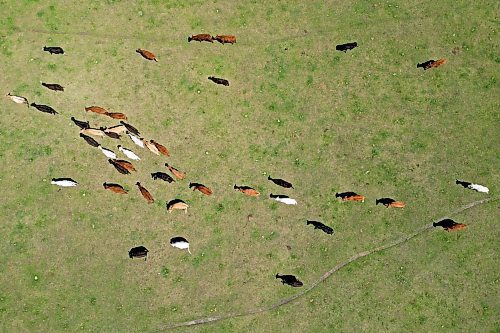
[(366, 121)]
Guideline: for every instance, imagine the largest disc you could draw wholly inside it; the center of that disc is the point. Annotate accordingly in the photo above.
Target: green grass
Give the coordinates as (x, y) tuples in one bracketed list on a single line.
[(366, 121)]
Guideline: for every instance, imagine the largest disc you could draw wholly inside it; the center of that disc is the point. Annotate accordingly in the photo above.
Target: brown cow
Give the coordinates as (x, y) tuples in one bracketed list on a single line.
[(160, 148), (146, 54), (225, 39), (247, 190), (201, 38), (145, 193), (96, 109), (350, 196), (200, 187), (116, 188), (175, 172), (116, 115), (177, 204)]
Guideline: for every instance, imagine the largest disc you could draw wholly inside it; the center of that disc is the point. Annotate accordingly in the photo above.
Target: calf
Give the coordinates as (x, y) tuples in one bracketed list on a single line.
[(280, 182), (145, 193), (89, 140), (81, 124), (138, 252), (53, 49), (283, 198), (53, 86), (116, 115), (180, 175), (115, 188), (18, 99), (247, 190), (388, 202), (217, 80), (449, 225), (431, 64), (96, 109), (346, 47), (163, 176), (161, 148), (146, 54), (201, 38), (44, 108), (119, 167), (321, 226), (291, 280), (225, 39), (177, 204), (350, 196), (200, 187)]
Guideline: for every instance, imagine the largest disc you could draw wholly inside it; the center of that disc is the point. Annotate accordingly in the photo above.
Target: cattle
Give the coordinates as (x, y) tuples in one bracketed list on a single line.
[(135, 139), (151, 147), (138, 252), (163, 176), (130, 128), (201, 38), (225, 39), (291, 280), (280, 182), (217, 80), (44, 108), (180, 175), (92, 131), (115, 188), (177, 204), (116, 115), (161, 148), (129, 153), (89, 140), (145, 193), (146, 54), (388, 202), (53, 49), (449, 225), (200, 187), (112, 135), (96, 109), (431, 64), (64, 182), (53, 86), (108, 153), (118, 129), (318, 225), (180, 243), (247, 190), (350, 196), (283, 199), (81, 124), (472, 186), (119, 167), (346, 47), (18, 99), (126, 164)]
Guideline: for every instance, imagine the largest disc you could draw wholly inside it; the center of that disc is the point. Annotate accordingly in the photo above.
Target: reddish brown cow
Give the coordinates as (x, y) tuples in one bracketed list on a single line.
[(145, 193), (200, 187), (247, 190), (116, 188), (225, 39), (96, 109), (175, 172), (116, 115), (146, 54), (201, 38)]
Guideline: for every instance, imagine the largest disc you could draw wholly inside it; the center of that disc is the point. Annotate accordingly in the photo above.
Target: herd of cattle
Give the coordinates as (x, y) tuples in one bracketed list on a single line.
[(125, 167)]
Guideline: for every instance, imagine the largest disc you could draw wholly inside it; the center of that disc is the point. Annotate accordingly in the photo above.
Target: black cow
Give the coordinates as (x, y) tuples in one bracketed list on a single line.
[(449, 225), (130, 128), (426, 65), (89, 140), (280, 182), (464, 184), (219, 80), (53, 86), (321, 226), (384, 201), (345, 47), (290, 280), (163, 176), (345, 195), (44, 108), (138, 252), (81, 124), (53, 49)]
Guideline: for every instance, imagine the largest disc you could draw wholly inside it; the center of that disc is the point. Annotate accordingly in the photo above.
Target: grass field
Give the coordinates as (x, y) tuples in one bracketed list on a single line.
[(366, 121)]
